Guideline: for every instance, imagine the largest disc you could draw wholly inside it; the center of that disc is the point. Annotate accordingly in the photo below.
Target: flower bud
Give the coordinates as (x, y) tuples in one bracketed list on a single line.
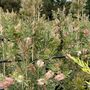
[(40, 63), (20, 79), (28, 41), (79, 53)]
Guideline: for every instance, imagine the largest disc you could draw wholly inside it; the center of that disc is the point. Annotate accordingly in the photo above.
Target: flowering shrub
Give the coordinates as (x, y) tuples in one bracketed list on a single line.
[(33, 50)]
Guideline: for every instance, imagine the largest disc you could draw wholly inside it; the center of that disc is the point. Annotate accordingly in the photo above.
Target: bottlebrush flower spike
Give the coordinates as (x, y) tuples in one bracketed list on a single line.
[(41, 81), (7, 82), (86, 32), (31, 68), (59, 77), (1, 85), (49, 74)]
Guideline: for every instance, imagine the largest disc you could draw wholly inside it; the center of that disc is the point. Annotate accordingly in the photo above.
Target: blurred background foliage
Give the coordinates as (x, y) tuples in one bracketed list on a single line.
[(45, 6)]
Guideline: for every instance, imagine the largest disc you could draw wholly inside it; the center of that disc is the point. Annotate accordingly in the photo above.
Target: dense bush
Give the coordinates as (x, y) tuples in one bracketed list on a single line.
[(10, 5), (88, 8), (31, 48)]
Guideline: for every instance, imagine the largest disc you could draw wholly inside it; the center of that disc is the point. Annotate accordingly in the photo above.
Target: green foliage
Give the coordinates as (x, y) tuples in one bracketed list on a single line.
[(29, 42), (84, 66)]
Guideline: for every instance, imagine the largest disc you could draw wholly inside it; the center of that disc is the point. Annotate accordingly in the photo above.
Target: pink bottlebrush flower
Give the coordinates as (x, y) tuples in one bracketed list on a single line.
[(41, 81), (1, 85), (7, 82), (86, 32), (59, 77), (49, 74), (10, 80)]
